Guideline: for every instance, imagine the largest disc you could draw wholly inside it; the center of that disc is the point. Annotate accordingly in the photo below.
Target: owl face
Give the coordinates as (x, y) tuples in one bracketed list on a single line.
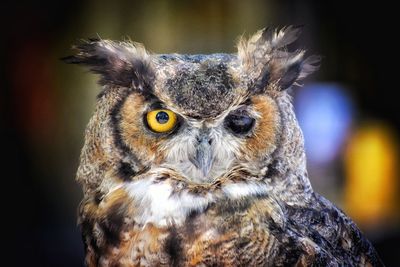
[(197, 118), (203, 117), (199, 115)]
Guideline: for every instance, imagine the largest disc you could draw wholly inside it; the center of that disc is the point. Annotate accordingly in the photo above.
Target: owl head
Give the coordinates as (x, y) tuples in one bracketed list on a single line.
[(202, 119)]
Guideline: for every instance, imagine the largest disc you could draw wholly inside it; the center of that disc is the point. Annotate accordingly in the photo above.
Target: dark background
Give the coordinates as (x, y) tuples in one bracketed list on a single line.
[(45, 104)]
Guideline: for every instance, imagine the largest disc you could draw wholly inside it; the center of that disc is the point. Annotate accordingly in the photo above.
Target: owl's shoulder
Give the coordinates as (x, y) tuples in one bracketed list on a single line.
[(330, 232)]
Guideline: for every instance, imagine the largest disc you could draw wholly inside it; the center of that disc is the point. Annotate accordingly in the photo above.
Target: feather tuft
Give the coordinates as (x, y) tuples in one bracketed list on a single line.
[(266, 60)]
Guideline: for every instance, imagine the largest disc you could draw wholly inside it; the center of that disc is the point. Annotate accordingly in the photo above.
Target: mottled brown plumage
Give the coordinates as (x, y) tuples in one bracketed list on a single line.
[(227, 185)]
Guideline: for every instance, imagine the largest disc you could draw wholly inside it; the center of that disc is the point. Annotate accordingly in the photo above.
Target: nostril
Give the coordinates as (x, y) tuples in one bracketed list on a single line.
[(204, 139)]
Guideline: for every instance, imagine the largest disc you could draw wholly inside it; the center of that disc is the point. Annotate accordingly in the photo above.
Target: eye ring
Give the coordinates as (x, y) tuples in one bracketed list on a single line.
[(161, 120)]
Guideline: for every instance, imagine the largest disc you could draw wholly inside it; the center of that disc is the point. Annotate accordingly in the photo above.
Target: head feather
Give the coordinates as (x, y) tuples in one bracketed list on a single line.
[(123, 64), (265, 59)]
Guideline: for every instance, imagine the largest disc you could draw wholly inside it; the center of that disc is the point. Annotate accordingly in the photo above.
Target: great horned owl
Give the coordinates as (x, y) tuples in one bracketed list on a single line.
[(198, 160)]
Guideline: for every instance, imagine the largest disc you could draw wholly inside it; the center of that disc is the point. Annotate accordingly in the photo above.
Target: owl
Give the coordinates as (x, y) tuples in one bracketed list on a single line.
[(198, 160)]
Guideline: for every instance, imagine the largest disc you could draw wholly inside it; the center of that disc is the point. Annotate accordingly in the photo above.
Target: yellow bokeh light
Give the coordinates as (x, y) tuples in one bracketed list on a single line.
[(371, 175)]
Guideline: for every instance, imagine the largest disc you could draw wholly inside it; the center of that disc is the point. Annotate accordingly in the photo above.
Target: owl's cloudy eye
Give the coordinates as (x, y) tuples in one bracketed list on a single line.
[(239, 123), (161, 120)]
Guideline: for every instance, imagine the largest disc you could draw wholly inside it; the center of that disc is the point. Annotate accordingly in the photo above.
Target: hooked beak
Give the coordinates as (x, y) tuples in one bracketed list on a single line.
[(203, 159)]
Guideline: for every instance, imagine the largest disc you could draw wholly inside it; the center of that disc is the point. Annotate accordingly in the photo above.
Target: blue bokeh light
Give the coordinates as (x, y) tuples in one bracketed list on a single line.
[(325, 113)]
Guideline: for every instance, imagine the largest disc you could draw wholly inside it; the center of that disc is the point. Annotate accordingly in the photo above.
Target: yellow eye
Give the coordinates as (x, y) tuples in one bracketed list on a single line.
[(161, 120)]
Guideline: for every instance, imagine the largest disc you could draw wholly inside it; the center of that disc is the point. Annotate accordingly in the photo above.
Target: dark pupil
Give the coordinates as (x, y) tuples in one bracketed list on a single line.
[(162, 117), (239, 124)]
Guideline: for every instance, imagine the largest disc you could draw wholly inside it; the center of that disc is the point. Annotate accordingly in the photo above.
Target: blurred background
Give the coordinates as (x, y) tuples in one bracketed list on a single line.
[(348, 110)]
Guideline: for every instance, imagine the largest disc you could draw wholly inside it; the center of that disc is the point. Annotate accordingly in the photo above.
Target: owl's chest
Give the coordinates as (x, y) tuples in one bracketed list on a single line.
[(212, 238), (223, 233), (147, 224)]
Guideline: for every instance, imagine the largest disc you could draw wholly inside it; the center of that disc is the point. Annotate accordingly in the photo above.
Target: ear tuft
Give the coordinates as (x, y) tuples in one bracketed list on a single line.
[(310, 65), (123, 64), (265, 59)]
